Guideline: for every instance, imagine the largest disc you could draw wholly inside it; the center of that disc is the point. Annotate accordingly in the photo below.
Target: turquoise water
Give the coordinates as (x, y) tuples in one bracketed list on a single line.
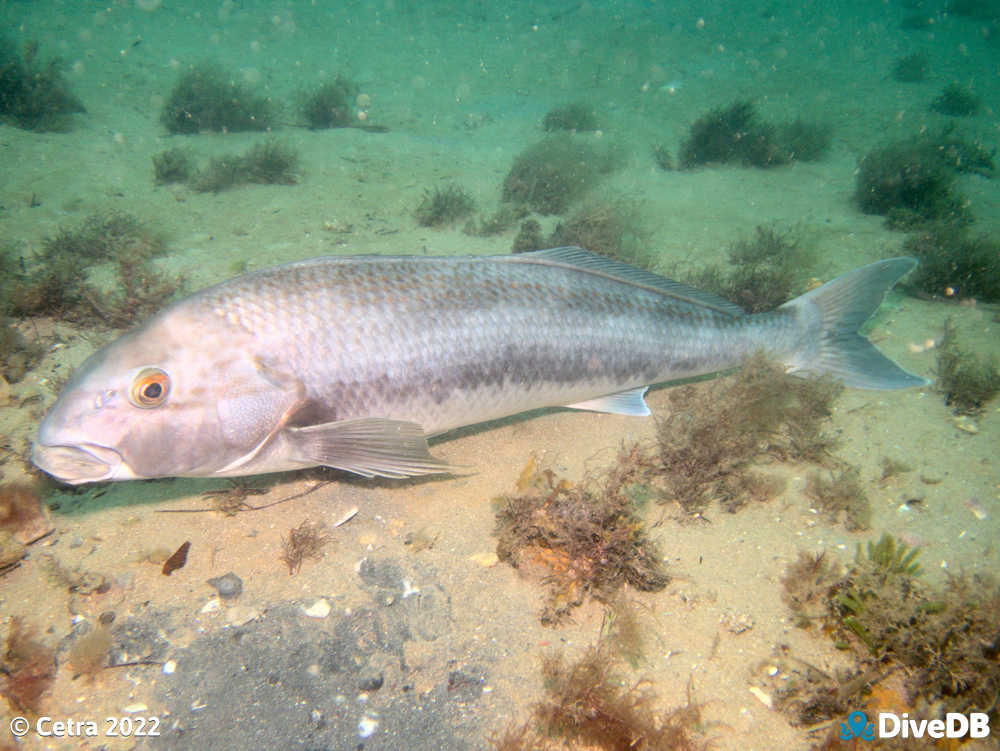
[(458, 91)]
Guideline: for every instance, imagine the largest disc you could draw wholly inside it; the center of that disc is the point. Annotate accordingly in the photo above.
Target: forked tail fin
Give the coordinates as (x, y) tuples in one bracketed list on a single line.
[(834, 312)]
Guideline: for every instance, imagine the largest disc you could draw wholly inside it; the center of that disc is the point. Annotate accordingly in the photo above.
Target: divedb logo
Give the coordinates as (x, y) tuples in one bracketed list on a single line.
[(892, 725)]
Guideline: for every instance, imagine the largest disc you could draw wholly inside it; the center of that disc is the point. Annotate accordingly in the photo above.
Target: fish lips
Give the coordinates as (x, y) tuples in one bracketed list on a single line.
[(77, 464)]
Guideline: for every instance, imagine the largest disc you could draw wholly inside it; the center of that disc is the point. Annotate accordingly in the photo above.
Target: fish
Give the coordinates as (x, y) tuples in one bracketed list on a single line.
[(353, 362)]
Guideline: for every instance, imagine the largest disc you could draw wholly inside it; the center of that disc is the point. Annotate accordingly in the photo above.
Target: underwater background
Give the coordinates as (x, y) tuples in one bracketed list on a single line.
[(152, 147)]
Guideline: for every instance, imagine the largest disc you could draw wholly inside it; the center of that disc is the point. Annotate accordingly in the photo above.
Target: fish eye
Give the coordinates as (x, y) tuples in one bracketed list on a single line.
[(149, 388)]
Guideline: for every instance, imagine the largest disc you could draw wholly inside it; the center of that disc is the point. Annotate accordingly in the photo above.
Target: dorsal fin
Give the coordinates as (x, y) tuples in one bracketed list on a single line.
[(586, 260)]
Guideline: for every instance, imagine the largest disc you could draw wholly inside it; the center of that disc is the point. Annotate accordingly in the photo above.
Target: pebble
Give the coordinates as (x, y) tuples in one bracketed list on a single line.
[(240, 615), (367, 727), (762, 697), (371, 682), (966, 424), (169, 667), (229, 586), (319, 609), (485, 559)]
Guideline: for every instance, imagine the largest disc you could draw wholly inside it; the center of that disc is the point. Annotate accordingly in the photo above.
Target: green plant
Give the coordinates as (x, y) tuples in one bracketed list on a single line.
[(967, 380), (576, 116), (55, 282), (587, 704), (732, 134), (271, 163), (612, 227), (444, 206), (956, 100), (33, 97), (840, 495), (548, 176), (662, 157), (912, 68), (764, 272), (172, 166), (207, 98), (330, 105), (713, 432), (911, 183), (588, 539), (955, 264), (267, 163), (529, 237), (804, 141), (942, 643)]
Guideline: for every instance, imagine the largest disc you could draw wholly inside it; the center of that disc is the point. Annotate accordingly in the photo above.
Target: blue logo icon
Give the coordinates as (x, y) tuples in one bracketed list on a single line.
[(857, 726)]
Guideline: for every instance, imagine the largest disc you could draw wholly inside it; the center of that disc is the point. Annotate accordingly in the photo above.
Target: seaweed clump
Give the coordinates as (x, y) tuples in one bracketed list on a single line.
[(840, 496), (575, 116), (766, 271), (303, 542), (714, 432), (956, 100), (945, 640), (54, 282), (27, 667), (330, 105), (23, 514), (735, 134), (444, 206), (588, 539), (912, 68), (967, 380), (954, 263), (548, 176), (18, 354), (613, 228), (808, 585), (33, 97), (267, 163), (731, 134), (173, 166), (529, 237), (587, 704), (911, 183), (207, 98)]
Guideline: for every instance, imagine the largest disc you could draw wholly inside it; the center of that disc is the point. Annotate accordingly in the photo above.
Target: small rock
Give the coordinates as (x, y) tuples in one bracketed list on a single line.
[(929, 477), (229, 586), (367, 726), (485, 559), (966, 424), (319, 609), (371, 682), (240, 615), (736, 622)]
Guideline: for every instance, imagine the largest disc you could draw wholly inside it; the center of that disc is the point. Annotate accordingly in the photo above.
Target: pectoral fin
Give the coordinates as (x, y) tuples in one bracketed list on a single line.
[(631, 403), (371, 447)]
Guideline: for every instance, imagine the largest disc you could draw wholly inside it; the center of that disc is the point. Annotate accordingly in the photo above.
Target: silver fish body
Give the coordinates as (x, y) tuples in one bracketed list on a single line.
[(352, 362)]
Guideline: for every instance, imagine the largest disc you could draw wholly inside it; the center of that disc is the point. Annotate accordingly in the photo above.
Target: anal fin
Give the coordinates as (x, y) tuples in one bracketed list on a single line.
[(370, 446), (631, 403)]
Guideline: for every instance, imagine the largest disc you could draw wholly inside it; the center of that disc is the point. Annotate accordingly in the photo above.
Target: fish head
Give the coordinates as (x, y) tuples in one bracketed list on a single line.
[(175, 397)]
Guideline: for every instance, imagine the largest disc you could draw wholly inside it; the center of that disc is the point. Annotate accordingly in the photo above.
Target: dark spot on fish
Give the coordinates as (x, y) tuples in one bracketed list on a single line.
[(177, 560)]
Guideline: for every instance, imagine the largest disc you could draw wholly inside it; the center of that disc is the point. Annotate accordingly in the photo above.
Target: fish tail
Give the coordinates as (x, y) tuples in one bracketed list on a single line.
[(833, 314)]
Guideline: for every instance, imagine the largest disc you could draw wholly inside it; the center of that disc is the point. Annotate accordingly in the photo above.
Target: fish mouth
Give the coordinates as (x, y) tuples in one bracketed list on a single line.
[(77, 464)]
